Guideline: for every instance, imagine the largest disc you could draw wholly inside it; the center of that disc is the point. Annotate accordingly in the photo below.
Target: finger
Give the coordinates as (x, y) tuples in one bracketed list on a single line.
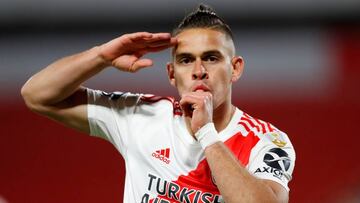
[(189, 103), (131, 63), (187, 109), (140, 35), (154, 38), (138, 41), (162, 35), (170, 42), (159, 36), (199, 95), (124, 61), (196, 100), (173, 41), (141, 63), (154, 49)]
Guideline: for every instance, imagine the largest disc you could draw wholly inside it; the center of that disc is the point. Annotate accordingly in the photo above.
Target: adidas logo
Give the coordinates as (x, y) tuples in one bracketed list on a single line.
[(163, 155)]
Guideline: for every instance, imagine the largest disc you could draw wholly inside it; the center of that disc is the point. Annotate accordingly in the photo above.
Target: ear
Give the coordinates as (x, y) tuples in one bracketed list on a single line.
[(238, 67), (170, 71)]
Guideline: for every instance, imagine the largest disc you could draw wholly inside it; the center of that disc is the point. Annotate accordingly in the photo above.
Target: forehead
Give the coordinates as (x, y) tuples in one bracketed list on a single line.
[(199, 40)]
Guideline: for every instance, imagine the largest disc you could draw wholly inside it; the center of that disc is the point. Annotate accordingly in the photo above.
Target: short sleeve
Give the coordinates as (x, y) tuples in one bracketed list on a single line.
[(273, 158), (109, 115)]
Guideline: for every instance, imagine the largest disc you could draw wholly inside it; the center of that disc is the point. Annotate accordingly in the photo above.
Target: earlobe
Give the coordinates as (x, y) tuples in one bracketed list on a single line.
[(238, 67), (170, 71)]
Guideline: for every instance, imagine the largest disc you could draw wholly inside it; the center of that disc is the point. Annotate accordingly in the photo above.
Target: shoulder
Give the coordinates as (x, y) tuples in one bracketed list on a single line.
[(139, 101), (149, 99), (250, 123), (273, 156), (264, 130)]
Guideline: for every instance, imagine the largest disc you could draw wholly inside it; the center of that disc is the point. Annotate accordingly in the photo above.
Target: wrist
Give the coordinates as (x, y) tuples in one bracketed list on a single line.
[(101, 59), (207, 135)]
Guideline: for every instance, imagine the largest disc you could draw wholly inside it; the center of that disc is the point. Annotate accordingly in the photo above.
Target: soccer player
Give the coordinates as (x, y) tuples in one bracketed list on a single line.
[(200, 149)]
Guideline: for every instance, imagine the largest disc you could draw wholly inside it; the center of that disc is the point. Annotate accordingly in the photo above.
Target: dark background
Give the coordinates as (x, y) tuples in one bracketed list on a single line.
[(302, 74)]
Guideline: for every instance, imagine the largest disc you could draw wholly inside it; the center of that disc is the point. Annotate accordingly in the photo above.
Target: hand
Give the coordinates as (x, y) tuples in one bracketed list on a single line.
[(199, 107), (125, 52)]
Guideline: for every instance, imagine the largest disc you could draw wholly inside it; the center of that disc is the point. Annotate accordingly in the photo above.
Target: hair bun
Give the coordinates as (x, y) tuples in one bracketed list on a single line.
[(202, 8)]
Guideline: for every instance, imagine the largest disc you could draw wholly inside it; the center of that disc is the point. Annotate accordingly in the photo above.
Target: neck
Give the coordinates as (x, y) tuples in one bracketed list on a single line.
[(222, 115)]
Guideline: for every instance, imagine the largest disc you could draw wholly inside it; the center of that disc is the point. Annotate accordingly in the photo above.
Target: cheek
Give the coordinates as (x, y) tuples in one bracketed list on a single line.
[(223, 77), (181, 81), (222, 83)]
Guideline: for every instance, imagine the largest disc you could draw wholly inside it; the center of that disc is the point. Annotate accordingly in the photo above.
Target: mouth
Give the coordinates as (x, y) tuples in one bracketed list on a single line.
[(200, 87)]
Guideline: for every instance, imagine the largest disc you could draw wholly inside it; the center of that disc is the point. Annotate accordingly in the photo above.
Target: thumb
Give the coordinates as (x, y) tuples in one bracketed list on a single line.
[(139, 64), (131, 63)]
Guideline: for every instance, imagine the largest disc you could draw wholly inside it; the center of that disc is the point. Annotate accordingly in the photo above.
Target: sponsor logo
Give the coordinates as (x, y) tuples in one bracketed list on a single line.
[(276, 172), (277, 160), (169, 192), (163, 155)]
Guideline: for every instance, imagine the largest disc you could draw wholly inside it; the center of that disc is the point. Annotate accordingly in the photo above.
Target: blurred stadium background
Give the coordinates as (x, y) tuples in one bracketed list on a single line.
[(302, 74)]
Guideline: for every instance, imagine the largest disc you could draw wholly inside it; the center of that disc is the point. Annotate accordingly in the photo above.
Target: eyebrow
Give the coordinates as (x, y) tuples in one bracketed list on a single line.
[(210, 52), (182, 55)]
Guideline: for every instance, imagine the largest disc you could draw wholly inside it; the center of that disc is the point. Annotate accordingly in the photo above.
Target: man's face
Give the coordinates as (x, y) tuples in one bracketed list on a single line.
[(204, 60)]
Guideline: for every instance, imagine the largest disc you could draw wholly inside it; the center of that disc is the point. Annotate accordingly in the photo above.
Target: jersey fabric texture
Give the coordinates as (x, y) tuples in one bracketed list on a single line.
[(164, 163)]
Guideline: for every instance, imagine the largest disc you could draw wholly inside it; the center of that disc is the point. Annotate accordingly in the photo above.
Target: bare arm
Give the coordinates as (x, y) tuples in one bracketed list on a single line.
[(56, 91), (234, 182)]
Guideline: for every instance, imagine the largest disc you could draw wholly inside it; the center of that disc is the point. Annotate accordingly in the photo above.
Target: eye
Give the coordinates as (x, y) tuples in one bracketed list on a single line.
[(185, 60), (211, 58)]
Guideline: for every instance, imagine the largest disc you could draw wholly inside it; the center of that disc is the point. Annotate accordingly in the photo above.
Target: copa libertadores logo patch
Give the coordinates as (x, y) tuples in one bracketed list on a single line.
[(278, 162)]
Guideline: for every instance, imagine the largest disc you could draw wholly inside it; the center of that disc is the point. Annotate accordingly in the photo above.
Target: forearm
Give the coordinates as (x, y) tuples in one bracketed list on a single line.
[(55, 91), (234, 182), (62, 78)]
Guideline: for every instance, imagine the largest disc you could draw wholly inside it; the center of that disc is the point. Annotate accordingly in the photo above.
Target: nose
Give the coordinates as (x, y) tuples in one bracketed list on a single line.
[(199, 71)]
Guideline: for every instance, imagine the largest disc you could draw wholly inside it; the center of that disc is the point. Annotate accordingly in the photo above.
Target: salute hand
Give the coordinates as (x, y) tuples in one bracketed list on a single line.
[(125, 52)]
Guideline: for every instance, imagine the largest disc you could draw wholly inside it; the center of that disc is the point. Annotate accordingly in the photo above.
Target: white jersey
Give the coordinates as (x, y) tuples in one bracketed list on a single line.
[(163, 161)]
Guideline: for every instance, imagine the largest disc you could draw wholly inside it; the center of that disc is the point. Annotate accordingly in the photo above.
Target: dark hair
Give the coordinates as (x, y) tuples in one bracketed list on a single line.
[(203, 17)]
